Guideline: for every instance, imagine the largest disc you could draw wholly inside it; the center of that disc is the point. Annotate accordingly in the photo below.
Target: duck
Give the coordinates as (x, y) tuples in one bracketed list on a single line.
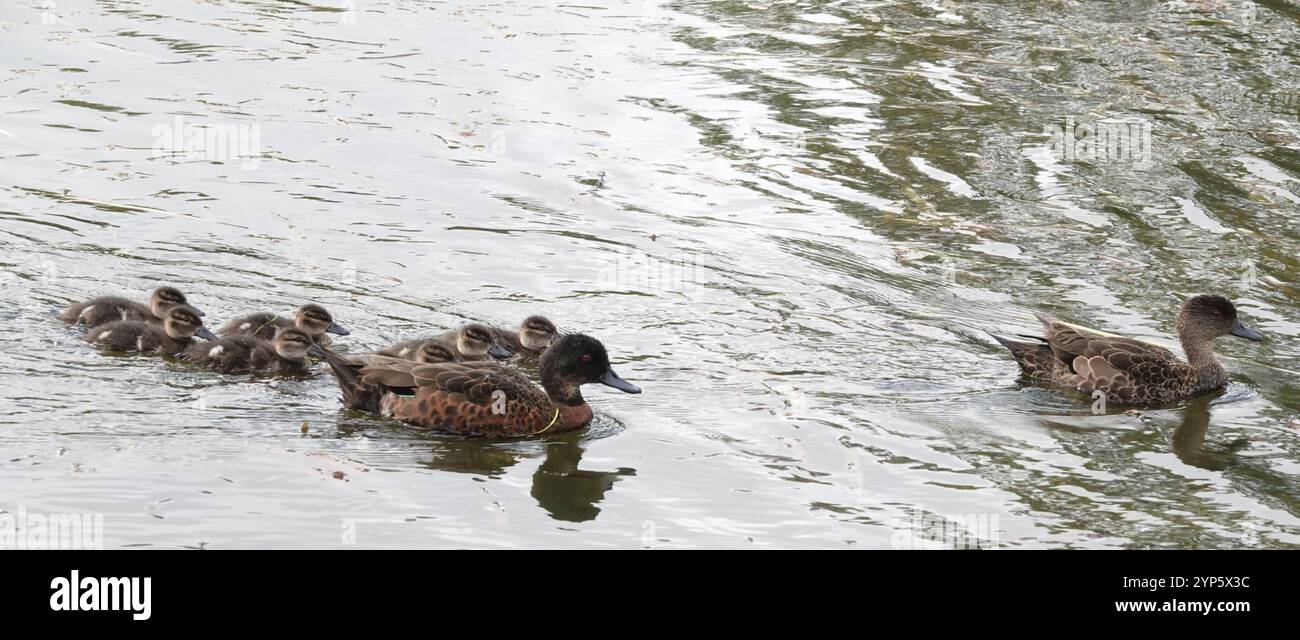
[(106, 309), (173, 336), (428, 351), (534, 335), (285, 355), (469, 343), (481, 398), (312, 318), (1130, 371)]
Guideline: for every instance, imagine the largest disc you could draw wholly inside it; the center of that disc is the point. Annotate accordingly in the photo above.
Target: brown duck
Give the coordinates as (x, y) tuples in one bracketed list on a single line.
[(428, 351), (106, 309), (285, 355), (469, 343), (312, 318), (534, 335), (1131, 371), (481, 398), (173, 336)]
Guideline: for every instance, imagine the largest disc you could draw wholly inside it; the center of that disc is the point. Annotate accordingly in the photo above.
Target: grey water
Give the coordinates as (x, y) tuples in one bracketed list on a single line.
[(791, 223)]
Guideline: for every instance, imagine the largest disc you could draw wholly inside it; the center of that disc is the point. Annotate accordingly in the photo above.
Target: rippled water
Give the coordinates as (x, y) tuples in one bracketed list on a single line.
[(790, 222)]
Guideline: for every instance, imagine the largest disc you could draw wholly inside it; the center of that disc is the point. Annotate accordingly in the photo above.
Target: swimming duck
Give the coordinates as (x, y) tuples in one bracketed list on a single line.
[(171, 337), (469, 343), (534, 335), (481, 398), (285, 355), (428, 351), (106, 309), (312, 318), (1131, 371)]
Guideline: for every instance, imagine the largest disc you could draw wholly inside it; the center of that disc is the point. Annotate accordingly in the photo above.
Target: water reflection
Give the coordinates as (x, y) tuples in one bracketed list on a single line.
[(856, 190), (484, 457), (1189, 437), (566, 491)]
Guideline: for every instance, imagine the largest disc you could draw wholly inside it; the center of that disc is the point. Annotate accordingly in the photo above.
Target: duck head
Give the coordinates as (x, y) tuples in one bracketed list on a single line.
[(164, 298), (536, 333), (292, 343), (316, 321), (434, 352), (574, 360), (1206, 317), (183, 322), (475, 341)]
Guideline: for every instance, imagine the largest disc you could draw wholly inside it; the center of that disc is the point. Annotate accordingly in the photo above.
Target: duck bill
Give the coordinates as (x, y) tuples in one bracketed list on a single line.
[(611, 379), (1242, 331), (204, 333), (497, 351), (316, 351), (337, 329)]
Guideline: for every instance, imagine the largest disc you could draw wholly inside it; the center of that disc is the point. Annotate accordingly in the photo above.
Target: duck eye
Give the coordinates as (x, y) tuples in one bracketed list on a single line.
[(586, 357)]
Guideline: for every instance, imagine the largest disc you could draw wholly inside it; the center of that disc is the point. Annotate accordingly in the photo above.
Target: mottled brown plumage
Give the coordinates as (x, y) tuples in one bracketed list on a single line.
[(480, 398), (1128, 371), (106, 309), (312, 318), (285, 355), (171, 337)]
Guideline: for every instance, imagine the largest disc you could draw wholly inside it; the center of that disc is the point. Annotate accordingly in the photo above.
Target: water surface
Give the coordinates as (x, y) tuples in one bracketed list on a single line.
[(790, 222)]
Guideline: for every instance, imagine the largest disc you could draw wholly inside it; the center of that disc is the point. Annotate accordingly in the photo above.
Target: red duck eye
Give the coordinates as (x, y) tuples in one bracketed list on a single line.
[(586, 357)]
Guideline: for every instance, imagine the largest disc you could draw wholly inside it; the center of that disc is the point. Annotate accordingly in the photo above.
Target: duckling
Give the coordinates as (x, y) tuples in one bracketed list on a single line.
[(469, 343), (106, 309), (312, 318), (481, 398), (285, 355), (1129, 371), (171, 337), (428, 351), (534, 335)]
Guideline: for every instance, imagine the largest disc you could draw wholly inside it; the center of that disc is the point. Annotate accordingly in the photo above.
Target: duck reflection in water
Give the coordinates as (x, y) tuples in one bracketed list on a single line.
[(1189, 438), (565, 491)]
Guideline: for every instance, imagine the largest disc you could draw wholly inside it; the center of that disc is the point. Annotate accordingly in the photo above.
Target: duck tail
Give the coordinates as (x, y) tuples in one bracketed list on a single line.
[(73, 313), (357, 393), (1029, 355), (1017, 346)]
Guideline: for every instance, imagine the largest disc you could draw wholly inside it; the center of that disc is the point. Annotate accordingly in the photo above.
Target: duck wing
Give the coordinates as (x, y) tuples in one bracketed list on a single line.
[(1071, 340), (1124, 366), (478, 382)]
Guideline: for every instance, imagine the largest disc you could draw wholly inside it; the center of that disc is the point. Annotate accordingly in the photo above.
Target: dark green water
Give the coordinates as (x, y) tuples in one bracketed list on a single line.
[(790, 222)]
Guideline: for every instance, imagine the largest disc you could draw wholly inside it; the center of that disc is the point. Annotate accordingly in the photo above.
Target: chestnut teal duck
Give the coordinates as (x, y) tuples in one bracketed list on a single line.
[(174, 335), (106, 309), (285, 355), (1128, 371), (311, 318), (481, 398)]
